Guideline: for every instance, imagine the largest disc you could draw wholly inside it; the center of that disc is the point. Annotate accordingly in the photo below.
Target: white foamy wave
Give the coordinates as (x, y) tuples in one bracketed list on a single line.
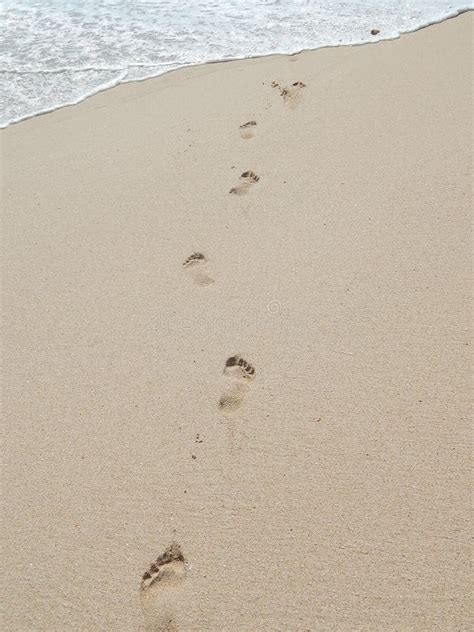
[(58, 52)]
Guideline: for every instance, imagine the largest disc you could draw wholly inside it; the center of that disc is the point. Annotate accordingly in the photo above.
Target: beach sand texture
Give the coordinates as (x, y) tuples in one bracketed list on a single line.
[(247, 343)]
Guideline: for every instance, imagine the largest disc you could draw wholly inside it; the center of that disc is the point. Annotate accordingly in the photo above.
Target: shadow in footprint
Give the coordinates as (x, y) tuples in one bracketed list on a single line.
[(247, 179), (240, 373), (247, 130), (159, 590), (195, 265)]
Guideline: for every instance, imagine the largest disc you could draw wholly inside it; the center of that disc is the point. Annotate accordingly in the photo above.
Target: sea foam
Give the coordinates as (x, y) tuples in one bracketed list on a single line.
[(58, 52)]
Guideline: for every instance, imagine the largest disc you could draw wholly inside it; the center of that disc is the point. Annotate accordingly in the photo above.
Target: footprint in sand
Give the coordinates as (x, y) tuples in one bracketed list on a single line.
[(247, 179), (160, 588), (247, 130), (195, 265), (241, 373), (290, 94)]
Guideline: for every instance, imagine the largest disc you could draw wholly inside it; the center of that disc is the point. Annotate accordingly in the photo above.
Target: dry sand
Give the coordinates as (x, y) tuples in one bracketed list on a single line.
[(328, 489)]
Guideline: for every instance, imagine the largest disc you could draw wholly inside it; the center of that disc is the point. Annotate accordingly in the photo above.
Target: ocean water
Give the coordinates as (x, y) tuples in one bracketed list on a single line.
[(58, 52)]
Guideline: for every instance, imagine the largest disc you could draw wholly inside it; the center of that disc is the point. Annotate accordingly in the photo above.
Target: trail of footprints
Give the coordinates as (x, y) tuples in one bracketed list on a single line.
[(162, 582)]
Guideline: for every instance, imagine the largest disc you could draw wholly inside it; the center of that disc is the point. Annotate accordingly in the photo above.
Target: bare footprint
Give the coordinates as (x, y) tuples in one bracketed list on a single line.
[(239, 368), (159, 590), (241, 373), (247, 179), (290, 94), (247, 129), (195, 265)]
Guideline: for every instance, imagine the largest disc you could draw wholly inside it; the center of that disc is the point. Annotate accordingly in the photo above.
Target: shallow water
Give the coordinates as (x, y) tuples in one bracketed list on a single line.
[(57, 52)]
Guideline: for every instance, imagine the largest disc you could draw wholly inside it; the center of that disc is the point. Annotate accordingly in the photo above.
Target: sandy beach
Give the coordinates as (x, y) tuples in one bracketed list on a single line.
[(236, 322)]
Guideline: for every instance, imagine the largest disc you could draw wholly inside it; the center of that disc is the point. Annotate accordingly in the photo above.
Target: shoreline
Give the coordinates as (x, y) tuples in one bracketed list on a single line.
[(238, 312), (115, 83)]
